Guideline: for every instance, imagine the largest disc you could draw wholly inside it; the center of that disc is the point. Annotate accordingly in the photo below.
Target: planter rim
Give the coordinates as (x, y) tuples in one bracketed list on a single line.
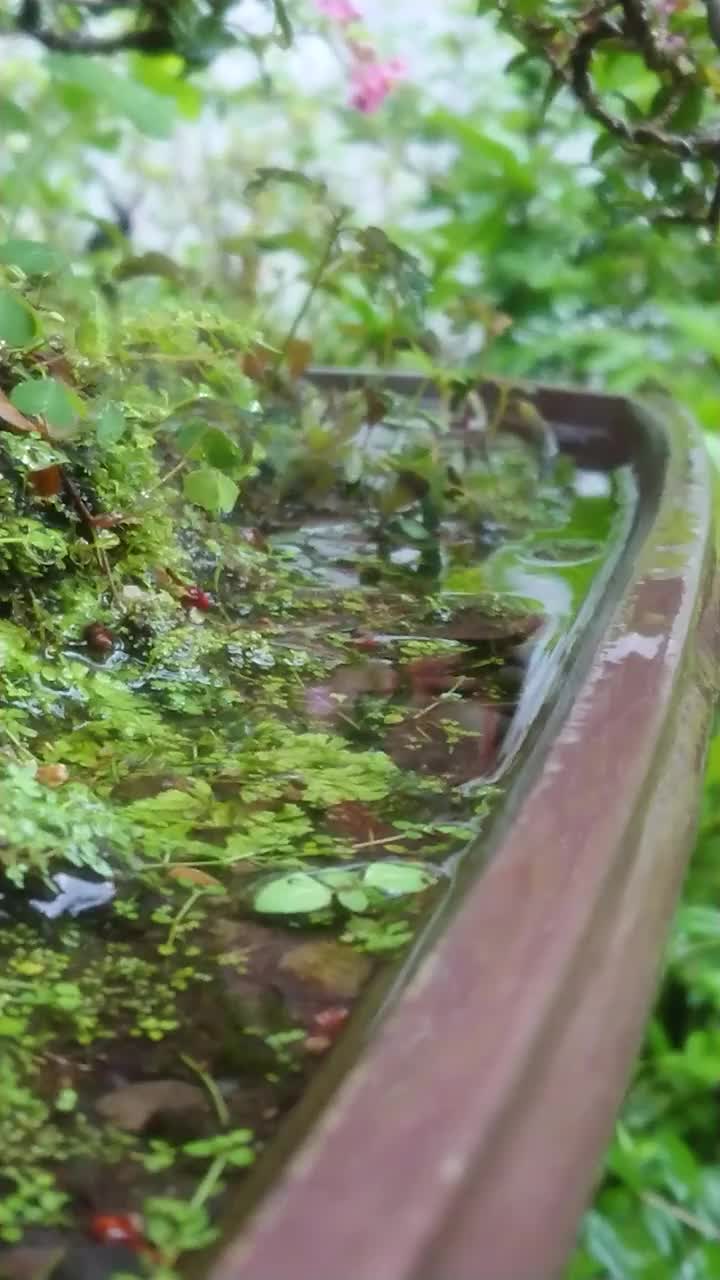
[(465, 1141)]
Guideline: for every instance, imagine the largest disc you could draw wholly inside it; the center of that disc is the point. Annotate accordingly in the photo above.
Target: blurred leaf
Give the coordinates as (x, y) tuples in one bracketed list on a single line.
[(605, 1243), (18, 322), (298, 354), (283, 22), (34, 257), (13, 118), (46, 398), (152, 113), (148, 264), (165, 74), (110, 426), (212, 444), (211, 489)]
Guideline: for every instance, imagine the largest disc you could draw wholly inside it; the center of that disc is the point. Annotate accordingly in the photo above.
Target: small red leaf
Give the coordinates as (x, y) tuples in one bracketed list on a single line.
[(47, 481)]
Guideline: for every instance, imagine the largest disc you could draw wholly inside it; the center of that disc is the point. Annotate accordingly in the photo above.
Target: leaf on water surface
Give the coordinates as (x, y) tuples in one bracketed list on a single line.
[(353, 900), (295, 894), (397, 879)]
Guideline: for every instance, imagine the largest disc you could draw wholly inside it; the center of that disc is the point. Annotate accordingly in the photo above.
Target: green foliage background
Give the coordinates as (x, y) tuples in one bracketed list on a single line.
[(543, 259)]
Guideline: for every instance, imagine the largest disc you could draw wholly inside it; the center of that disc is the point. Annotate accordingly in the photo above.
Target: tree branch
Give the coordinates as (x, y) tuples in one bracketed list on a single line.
[(154, 38)]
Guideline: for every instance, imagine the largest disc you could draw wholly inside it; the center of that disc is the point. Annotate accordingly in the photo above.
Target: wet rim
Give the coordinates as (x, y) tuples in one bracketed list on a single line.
[(465, 1141)]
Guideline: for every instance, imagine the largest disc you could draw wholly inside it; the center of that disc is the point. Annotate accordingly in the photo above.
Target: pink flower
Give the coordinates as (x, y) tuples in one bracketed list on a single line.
[(371, 82), (341, 11)]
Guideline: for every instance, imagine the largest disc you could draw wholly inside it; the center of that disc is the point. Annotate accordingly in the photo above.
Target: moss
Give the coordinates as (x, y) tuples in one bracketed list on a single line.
[(193, 767)]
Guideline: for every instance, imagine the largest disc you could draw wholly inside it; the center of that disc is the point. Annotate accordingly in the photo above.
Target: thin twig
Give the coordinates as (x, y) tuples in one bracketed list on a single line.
[(210, 1085), (315, 281), (688, 1219)]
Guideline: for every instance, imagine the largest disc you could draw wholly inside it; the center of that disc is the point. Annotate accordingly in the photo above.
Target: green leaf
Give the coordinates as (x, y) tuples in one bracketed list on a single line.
[(152, 113), (46, 398), (18, 322), (12, 117), (397, 878), (176, 1225), (353, 900), (110, 426), (211, 489), (233, 1146), (211, 444), (34, 257), (148, 264), (607, 1247), (165, 74), (66, 1100), (295, 894)]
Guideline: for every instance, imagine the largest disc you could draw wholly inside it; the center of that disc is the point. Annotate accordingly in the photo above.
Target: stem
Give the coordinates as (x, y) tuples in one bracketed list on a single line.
[(216, 1097), (186, 907), (168, 476), (205, 1188), (706, 1229), (315, 281)]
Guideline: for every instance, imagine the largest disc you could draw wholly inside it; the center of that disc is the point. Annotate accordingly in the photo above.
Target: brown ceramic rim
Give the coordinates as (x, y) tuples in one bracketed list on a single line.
[(463, 1142)]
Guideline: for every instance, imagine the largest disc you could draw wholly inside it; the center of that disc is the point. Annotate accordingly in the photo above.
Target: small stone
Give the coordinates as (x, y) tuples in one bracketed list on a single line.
[(330, 1021), (336, 969), (479, 626), (317, 1044), (52, 775), (133, 1106), (98, 638)]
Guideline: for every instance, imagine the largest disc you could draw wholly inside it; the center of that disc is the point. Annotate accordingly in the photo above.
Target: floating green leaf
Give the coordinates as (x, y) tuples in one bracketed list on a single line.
[(295, 894), (398, 878), (353, 900)]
